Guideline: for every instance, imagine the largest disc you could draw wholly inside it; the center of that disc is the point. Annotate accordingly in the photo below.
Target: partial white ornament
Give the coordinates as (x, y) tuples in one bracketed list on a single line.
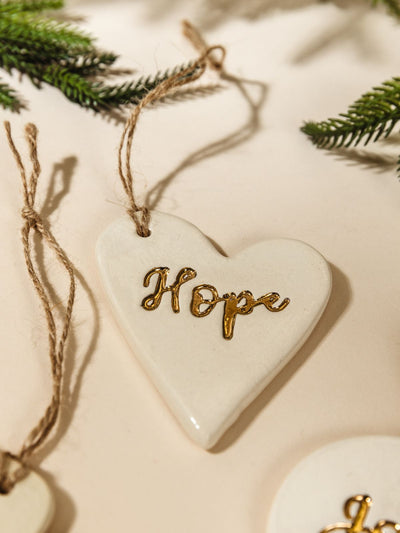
[(314, 493), (207, 380), (29, 507)]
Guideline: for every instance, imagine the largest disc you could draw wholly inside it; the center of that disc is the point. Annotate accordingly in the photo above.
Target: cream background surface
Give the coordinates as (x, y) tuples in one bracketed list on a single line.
[(119, 461)]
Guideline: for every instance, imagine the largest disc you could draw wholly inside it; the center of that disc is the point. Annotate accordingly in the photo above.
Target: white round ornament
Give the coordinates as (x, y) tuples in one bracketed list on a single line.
[(29, 507), (313, 495)]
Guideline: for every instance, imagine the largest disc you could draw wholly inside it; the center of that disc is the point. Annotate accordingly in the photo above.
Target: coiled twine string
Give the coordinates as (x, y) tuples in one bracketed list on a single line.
[(57, 334), (140, 213)]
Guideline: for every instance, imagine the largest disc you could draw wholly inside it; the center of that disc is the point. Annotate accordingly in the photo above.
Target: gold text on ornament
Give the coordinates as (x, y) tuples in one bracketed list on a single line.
[(356, 510), (241, 304)]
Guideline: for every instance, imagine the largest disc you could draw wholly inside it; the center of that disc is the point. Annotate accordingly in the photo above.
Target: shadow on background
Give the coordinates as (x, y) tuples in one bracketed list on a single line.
[(58, 188), (349, 27), (339, 301), (239, 136), (379, 163), (209, 14)]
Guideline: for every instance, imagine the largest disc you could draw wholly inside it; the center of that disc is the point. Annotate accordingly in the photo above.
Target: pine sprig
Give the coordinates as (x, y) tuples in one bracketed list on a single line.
[(61, 55), (132, 92), (372, 116), (97, 95), (30, 31)]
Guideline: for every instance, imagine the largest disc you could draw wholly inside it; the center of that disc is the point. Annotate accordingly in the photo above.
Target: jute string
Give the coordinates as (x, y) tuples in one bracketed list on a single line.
[(57, 334), (140, 213)]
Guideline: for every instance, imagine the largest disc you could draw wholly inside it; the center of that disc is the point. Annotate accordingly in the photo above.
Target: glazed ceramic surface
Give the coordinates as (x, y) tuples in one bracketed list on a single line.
[(28, 508), (206, 379), (313, 495)]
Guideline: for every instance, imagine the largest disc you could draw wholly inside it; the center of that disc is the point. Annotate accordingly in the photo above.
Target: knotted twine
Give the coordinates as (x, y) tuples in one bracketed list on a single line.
[(140, 213), (57, 334)]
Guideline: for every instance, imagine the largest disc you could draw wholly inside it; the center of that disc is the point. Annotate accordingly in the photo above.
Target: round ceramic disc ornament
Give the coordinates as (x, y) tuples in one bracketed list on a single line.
[(28, 508), (313, 495)]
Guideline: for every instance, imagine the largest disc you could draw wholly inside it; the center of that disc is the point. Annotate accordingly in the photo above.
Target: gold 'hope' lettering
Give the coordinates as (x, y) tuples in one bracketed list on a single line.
[(241, 304), (362, 505), (152, 301), (232, 307)]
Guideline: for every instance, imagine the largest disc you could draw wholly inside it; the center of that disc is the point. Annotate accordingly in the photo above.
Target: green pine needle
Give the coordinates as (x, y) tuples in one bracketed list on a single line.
[(8, 98), (29, 31), (371, 117), (15, 6), (93, 63)]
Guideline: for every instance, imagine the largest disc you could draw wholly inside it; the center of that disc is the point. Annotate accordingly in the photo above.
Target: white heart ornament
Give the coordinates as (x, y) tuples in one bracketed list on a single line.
[(206, 379), (28, 508)]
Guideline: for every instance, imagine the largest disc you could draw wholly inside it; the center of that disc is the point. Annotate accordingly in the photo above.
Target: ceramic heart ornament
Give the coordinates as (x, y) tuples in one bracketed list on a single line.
[(211, 331), (28, 508)]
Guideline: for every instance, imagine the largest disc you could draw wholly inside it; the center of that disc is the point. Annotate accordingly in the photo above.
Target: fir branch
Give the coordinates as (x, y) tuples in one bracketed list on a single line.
[(30, 31), (75, 87), (33, 70), (24, 6), (61, 55), (12, 54), (8, 97), (372, 116), (132, 92), (97, 95)]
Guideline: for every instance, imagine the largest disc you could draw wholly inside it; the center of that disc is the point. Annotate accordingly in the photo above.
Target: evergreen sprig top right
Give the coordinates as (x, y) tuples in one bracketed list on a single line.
[(370, 117)]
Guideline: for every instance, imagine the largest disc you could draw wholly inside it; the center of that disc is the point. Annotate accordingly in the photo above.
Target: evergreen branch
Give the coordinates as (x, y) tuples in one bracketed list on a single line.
[(8, 98), (23, 6), (10, 51), (393, 6), (97, 95), (61, 55), (75, 87), (372, 116), (88, 64), (33, 70), (132, 92), (26, 31)]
